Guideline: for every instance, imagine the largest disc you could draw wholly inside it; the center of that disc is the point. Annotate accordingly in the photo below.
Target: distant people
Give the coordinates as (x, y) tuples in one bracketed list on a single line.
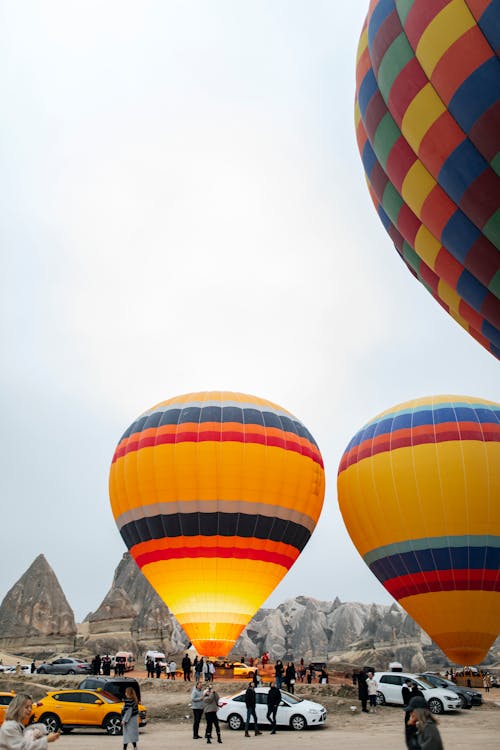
[(211, 703), (372, 685), (250, 702), (197, 707), (323, 676), (106, 665), (273, 701), (130, 718), (406, 691), (362, 691), (13, 733), (290, 676), (198, 668), (415, 691), (33, 667), (150, 667), (157, 669), (96, 664), (279, 670), (256, 678), (311, 674), (173, 669), (186, 668), (428, 736), (486, 682), (211, 670), (18, 668)]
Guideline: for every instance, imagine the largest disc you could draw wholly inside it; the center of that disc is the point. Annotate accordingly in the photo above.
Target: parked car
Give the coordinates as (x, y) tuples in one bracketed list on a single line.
[(114, 685), (125, 658), (293, 711), (72, 709), (5, 699), (25, 669), (468, 696), (65, 665), (242, 670), (438, 699)]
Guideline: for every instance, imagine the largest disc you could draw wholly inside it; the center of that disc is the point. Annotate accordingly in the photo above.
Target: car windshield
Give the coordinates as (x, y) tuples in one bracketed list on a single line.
[(425, 682), (289, 698)]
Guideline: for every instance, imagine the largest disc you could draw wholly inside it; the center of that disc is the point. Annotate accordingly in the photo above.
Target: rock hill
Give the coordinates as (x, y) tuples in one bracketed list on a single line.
[(36, 619)]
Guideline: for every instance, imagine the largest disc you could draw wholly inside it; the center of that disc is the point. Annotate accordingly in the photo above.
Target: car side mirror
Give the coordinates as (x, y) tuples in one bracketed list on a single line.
[(98, 702)]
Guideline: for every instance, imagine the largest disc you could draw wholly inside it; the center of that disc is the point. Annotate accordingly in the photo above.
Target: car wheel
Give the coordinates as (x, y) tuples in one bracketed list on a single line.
[(71, 671), (41, 670), (435, 706), (51, 721), (380, 699), (234, 721), (113, 724), (298, 723)]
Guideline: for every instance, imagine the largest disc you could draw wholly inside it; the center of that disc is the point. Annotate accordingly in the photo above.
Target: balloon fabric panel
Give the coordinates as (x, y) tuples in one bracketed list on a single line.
[(428, 126), (419, 491), (215, 495)]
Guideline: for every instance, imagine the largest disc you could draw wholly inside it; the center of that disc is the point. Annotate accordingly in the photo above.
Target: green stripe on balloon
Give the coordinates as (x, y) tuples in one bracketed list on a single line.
[(386, 135), (403, 7), (492, 228), (398, 55), (392, 202)]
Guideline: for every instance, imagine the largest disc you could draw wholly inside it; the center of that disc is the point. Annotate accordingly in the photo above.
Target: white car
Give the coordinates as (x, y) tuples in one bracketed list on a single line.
[(390, 691), (293, 711)]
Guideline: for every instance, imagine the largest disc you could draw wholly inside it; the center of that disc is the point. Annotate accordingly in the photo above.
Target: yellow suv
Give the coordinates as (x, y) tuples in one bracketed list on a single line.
[(5, 699), (71, 709)]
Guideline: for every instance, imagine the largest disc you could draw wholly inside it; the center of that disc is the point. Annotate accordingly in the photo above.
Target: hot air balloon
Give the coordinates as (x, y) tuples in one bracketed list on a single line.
[(216, 494), (427, 117), (419, 491)]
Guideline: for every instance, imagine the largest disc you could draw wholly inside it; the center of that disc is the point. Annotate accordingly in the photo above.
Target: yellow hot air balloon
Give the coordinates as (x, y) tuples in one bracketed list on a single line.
[(216, 494), (419, 491)]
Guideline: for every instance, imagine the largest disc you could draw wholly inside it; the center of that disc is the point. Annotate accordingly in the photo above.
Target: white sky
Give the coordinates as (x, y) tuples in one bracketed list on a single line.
[(184, 208)]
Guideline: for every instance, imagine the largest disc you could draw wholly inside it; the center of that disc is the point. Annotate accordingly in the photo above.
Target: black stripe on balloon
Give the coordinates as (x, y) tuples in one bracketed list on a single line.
[(210, 524), (222, 414)]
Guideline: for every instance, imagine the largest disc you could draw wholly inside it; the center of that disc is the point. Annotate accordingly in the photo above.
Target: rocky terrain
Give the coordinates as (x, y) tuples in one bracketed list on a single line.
[(36, 620)]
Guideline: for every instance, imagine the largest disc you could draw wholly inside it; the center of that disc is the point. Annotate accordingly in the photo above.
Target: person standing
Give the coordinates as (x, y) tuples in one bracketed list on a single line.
[(250, 702), (186, 668), (486, 682), (211, 703), (33, 667), (362, 691), (427, 732), (173, 669), (197, 706), (130, 718), (278, 673), (273, 701), (14, 735), (290, 677), (372, 685)]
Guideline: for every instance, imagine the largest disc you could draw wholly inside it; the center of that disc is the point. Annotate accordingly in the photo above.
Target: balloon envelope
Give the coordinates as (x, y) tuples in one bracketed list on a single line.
[(419, 491), (427, 119), (215, 494)]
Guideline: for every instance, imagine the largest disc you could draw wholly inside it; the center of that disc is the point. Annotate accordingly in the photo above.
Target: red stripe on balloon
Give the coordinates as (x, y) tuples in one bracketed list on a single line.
[(244, 553), (443, 580), (139, 442), (406, 438)]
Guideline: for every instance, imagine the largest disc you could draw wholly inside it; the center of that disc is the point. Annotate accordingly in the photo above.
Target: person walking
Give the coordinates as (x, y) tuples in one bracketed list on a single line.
[(427, 732), (372, 685), (130, 718), (197, 706), (250, 702), (211, 703), (273, 701), (13, 733), (186, 668)]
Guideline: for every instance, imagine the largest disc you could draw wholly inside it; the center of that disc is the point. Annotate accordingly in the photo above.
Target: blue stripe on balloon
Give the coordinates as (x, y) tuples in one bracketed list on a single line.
[(382, 10), (489, 23), (461, 168), (476, 95), (368, 158), (366, 91), (471, 290), (445, 558), (459, 235), (492, 333), (384, 218)]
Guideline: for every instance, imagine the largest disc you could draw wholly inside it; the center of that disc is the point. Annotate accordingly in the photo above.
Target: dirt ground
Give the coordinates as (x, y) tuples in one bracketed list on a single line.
[(169, 720)]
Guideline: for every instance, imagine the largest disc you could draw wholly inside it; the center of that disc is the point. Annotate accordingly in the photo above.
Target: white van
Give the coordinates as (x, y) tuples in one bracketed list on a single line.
[(126, 658)]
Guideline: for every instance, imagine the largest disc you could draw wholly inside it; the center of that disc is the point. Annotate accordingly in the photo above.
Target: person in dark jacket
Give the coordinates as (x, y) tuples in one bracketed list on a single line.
[(427, 731), (415, 702), (363, 691), (278, 673), (290, 675), (273, 701), (186, 668), (250, 701)]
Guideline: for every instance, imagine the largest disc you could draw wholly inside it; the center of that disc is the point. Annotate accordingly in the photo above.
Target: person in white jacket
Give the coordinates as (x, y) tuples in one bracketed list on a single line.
[(15, 736), (372, 686)]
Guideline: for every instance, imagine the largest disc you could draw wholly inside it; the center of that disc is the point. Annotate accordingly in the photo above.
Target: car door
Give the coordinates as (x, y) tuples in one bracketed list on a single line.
[(391, 688), (261, 707), (58, 666), (68, 707)]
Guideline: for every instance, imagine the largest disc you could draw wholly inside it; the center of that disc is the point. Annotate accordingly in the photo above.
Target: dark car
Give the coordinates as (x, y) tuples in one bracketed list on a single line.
[(114, 685), (468, 696), (65, 665)]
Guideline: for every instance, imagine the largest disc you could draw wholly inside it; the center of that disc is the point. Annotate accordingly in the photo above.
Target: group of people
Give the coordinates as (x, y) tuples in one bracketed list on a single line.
[(205, 700), (367, 691), (103, 665), (154, 668)]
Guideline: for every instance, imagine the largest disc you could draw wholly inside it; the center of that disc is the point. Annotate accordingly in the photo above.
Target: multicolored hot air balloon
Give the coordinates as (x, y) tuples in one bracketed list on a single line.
[(216, 495), (428, 128), (419, 490)]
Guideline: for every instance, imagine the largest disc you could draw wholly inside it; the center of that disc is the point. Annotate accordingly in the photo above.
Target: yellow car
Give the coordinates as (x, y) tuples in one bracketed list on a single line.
[(5, 699), (242, 670), (71, 709)]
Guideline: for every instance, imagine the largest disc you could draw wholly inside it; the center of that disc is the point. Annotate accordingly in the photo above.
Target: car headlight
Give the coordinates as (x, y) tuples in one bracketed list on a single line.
[(314, 710)]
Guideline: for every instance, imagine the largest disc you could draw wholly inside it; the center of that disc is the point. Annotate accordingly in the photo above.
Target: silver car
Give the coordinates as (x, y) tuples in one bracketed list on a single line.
[(65, 665)]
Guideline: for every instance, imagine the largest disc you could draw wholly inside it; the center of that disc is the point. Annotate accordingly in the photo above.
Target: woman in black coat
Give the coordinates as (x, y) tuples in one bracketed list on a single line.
[(363, 691)]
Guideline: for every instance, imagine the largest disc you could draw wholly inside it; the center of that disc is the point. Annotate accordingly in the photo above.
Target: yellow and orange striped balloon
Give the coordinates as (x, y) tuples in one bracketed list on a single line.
[(216, 494)]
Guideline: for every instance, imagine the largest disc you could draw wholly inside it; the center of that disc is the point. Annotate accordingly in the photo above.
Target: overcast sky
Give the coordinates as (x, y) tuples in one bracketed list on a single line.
[(184, 208)]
